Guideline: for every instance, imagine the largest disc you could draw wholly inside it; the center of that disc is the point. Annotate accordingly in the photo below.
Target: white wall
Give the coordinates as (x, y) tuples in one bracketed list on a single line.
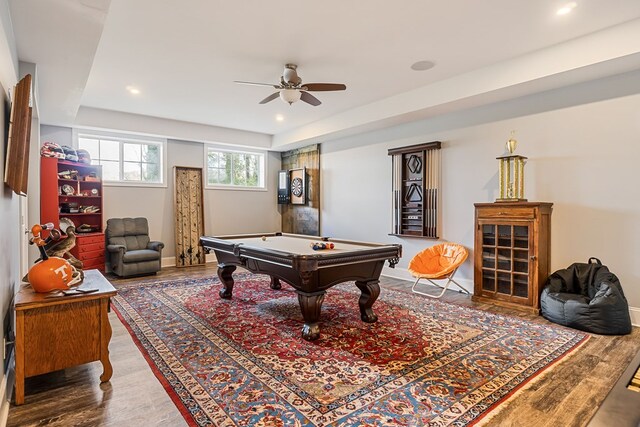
[(583, 158), (9, 202), (10, 242), (225, 211)]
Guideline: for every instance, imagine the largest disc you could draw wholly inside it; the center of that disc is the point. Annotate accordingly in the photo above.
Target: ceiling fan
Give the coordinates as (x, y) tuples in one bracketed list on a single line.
[(291, 89)]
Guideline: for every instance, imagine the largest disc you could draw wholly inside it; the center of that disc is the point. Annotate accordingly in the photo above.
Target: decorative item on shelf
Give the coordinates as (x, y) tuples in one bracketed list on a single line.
[(83, 156), (91, 193), (70, 154), (69, 207), (511, 174), (89, 209), (92, 177), (68, 174), (66, 224), (68, 190), (86, 228), (51, 149)]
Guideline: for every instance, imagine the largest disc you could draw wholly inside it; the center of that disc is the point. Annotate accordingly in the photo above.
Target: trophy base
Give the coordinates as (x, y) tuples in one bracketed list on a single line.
[(510, 200)]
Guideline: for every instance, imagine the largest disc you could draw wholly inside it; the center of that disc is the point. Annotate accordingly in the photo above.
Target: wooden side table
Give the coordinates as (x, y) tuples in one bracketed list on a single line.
[(59, 332)]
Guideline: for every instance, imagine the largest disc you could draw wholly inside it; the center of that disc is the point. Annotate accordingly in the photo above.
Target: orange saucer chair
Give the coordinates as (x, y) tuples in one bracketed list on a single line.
[(438, 262)]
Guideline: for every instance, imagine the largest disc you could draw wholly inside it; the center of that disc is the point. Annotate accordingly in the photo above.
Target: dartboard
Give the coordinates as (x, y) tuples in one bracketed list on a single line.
[(296, 187)]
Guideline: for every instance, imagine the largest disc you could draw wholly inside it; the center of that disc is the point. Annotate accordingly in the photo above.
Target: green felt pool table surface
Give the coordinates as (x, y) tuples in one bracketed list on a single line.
[(296, 244)]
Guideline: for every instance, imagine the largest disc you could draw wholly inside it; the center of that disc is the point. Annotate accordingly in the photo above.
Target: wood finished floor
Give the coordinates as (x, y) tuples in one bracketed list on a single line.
[(567, 396)]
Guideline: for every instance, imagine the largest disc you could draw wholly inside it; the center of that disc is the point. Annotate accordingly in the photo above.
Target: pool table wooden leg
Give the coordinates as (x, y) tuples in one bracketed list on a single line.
[(225, 273), (310, 305), (275, 283), (370, 292)]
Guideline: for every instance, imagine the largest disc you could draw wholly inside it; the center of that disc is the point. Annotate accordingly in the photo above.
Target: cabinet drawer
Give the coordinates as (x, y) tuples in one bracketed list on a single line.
[(83, 240), (91, 255), (93, 263), (506, 213), (89, 247)]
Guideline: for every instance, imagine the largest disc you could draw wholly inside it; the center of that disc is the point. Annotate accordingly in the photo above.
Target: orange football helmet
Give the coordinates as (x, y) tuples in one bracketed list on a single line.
[(51, 274)]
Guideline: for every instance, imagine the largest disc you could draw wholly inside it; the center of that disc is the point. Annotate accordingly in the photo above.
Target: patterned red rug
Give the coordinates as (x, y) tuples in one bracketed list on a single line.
[(242, 362)]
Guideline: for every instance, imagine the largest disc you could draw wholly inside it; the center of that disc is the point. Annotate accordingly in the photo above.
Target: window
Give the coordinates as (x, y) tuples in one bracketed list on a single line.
[(235, 169), (125, 160)]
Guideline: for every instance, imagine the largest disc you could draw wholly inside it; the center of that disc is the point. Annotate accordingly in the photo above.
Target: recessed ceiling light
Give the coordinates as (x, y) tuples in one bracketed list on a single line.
[(423, 65), (133, 90), (567, 8), (279, 117)]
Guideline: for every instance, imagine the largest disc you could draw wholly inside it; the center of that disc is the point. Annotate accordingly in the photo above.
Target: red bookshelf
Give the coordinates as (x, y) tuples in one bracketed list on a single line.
[(75, 195)]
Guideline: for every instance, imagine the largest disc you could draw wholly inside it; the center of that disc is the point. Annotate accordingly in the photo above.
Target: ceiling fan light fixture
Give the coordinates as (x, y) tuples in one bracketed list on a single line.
[(290, 75), (290, 95)]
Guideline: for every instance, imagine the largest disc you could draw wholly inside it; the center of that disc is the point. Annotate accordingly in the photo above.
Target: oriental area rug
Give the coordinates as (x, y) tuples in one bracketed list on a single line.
[(243, 362)]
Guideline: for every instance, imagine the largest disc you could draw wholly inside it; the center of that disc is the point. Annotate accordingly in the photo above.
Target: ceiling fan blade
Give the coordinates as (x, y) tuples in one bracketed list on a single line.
[(317, 87), (258, 84), (309, 99), (270, 98)]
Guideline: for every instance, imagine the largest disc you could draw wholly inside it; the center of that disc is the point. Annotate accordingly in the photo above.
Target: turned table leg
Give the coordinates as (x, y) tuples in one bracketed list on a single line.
[(275, 283), (225, 273), (105, 337), (310, 305), (370, 291)]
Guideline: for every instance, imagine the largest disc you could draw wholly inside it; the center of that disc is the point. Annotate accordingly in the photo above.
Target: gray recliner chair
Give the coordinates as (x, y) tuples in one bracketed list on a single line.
[(129, 249)]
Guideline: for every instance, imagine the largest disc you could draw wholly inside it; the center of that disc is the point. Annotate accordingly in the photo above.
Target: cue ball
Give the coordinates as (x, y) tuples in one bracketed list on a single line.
[(264, 238)]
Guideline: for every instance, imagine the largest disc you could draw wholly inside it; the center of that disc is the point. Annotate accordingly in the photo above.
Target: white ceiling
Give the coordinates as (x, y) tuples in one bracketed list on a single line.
[(185, 55)]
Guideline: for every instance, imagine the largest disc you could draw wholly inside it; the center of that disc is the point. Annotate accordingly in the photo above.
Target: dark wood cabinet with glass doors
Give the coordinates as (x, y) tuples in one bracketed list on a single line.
[(512, 251)]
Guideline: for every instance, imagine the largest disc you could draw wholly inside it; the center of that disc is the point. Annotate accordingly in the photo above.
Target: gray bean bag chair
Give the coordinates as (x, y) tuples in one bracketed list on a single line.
[(587, 297)]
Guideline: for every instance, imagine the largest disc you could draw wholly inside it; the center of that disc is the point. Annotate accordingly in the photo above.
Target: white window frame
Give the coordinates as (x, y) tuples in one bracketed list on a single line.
[(226, 149), (136, 139)]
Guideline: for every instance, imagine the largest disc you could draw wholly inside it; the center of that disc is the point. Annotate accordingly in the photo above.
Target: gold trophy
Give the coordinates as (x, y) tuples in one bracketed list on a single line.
[(511, 174)]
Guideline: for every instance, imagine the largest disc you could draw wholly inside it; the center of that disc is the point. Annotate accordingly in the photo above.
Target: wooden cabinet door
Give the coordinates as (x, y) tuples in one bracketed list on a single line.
[(504, 261)]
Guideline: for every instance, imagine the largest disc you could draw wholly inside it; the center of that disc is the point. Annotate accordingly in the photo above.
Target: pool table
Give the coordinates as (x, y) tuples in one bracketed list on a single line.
[(290, 258)]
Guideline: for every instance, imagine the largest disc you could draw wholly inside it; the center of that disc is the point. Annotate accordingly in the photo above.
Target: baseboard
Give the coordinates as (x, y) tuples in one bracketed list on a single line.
[(170, 261), (634, 312), (404, 274), (4, 409), (6, 390)]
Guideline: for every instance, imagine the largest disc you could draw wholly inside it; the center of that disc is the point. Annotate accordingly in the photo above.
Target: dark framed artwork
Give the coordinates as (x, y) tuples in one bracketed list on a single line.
[(16, 171), (298, 186)]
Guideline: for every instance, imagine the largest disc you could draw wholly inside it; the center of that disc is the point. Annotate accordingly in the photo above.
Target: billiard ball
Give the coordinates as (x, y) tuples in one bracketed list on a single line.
[(331, 245), (264, 238)]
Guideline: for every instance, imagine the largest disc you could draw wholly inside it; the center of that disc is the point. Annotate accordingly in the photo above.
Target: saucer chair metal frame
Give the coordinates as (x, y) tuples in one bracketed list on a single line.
[(446, 272)]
